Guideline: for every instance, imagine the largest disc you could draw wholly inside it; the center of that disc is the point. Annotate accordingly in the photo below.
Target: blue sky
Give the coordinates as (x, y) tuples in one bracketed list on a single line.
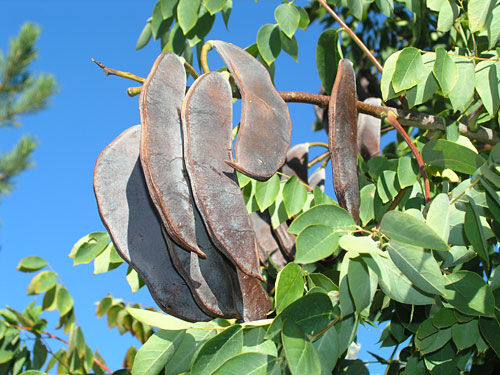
[(53, 204)]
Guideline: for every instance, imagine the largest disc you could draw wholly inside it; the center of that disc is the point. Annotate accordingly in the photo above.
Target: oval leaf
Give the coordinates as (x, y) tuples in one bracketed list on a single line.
[(316, 242), (31, 264), (323, 214), (294, 196), (288, 18), (268, 42), (289, 286), (409, 68)]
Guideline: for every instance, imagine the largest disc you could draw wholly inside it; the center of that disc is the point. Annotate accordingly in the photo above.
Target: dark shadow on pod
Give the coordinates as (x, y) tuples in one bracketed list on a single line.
[(130, 217), (162, 151), (297, 158), (252, 299), (265, 127), (317, 178), (369, 132), (207, 127), (342, 138), (268, 245)]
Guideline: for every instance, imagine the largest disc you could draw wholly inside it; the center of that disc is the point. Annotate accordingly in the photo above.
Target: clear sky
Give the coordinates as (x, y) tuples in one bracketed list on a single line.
[(53, 204)]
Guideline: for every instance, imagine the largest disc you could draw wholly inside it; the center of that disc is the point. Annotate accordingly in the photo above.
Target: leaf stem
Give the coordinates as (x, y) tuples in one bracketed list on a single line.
[(190, 69), (358, 41), (319, 158), (320, 144), (113, 72), (203, 56)]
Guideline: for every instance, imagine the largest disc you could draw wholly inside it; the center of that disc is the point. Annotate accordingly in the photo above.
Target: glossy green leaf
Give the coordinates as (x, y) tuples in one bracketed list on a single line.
[(494, 27), (418, 265), (267, 191), (203, 26), (465, 335), (134, 280), (145, 36), (362, 283), (269, 43), (64, 301), (39, 354), (490, 330), (448, 12), (187, 14), (478, 12), (385, 6), (346, 300), (290, 46), (312, 313), (409, 68), (304, 18), (358, 245), (447, 154), (445, 71), (168, 8), (321, 198), (294, 196), (427, 85), (487, 80), (444, 318), (407, 171), (438, 216), (316, 242), (322, 281), (246, 364), (159, 320), (215, 6), (254, 342), (289, 286), (49, 299), (42, 282), (324, 214), (226, 12), (356, 8), (300, 353), (89, 247), (387, 186), (462, 92), (328, 55), (366, 210), (217, 350), (31, 264), (474, 231), (155, 353), (176, 41), (288, 18), (405, 228), (433, 342), (469, 294), (327, 347), (386, 81), (156, 21), (395, 284), (277, 210)]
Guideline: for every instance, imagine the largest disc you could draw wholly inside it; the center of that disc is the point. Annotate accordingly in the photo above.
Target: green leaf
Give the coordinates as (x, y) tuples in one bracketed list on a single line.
[(108, 260), (427, 85), (474, 231), (385, 6), (463, 90), (316, 242), (469, 294), (323, 214), (156, 21), (134, 280), (433, 342), (448, 12), (478, 12), (159, 320), (277, 209), (444, 318), (362, 283), (288, 18), (202, 27), (328, 55), (405, 228), (346, 301), (168, 8), (226, 12), (246, 364), (290, 46), (487, 79), (49, 299), (465, 335), (358, 245), (39, 354), (304, 18), (322, 281), (215, 6), (176, 41), (395, 284), (300, 353), (445, 71), (438, 216), (269, 43), (434, 5), (89, 247), (387, 76), (145, 36), (289, 286), (320, 197), (155, 353), (254, 342), (356, 8), (366, 210), (42, 282), (490, 330), (387, 186), (418, 265), (447, 154), (267, 191), (217, 350), (409, 68), (407, 171), (294, 196), (494, 28), (64, 301), (312, 313), (187, 14), (328, 348), (31, 264)]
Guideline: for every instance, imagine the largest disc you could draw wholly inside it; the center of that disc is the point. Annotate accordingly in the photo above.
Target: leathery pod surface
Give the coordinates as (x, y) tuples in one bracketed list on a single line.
[(342, 138), (129, 216), (265, 127), (207, 127), (161, 149)]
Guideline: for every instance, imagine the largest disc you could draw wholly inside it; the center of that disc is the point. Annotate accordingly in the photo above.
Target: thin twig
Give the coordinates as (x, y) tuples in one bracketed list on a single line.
[(319, 158), (391, 118), (397, 199), (358, 41), (320, 144), (190, 69), (113, 72), (327, 327)]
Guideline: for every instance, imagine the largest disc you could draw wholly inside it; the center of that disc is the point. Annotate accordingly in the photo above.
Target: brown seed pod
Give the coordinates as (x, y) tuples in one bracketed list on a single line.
[(207, 122), (268, 246), (317, 178), (297, 158), (265, 126), (253, 301), (209, 279), (161, 149), (129, 215), (342, 138), (369, 132)]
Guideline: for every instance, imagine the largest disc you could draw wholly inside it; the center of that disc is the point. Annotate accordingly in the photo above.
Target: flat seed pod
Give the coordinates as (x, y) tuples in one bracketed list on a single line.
[(253, 301), (342, 138), (161, 149), (297, 158), (268, 246), (265, 126), (317, 178), (369, 132), (209, 279), (286, 241), (207, 122), (130, 217)]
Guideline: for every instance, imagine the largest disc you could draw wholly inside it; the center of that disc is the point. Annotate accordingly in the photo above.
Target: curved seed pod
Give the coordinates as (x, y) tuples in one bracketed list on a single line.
[(265, 126), (297, 158), (369, 132), (286, 241), (128, 213), (207, 122), (252, 299), (322, 113), (268, 246), (209, 279), (317, 178), (342, 138), (161, 149)]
